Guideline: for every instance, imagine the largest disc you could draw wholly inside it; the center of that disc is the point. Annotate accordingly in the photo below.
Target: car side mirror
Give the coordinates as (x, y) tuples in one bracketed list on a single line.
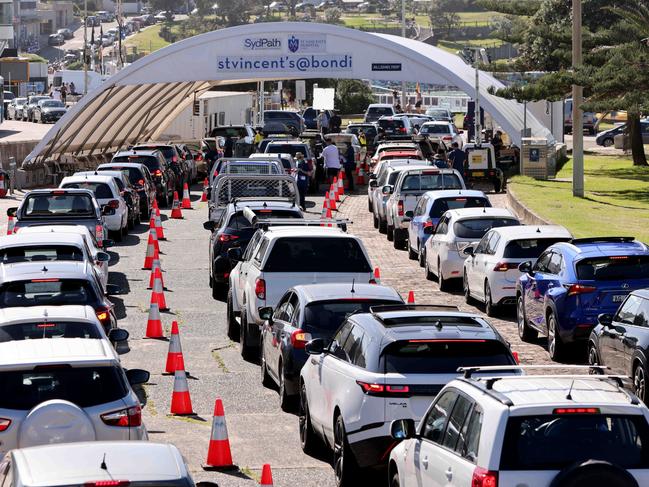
[(266, 313), (113, 289), (387, 189), (209, 225), (373, 183), (429, 230), (107, 242), (137, 377), (525, 267), (118, 335), (403, 429), (107, 210), (373, 176), (234, 254), (605, 319), (12, 211), (469, 251), (315, 346), (103, 257), (410, 213)]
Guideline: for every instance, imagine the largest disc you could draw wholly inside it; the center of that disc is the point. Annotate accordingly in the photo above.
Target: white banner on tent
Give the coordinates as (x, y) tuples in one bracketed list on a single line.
[(323, 98)]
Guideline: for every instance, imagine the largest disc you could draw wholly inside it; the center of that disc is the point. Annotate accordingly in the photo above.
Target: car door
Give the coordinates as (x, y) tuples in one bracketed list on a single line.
[(620, 339), (476, 265), (489, 261), (417, 223), (533, 296), (244, 267), (268, 333), (439, 241), (281, 332)]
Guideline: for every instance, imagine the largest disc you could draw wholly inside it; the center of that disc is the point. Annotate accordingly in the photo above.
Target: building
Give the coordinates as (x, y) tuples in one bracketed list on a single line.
[(34, 19), (6, 23), (129, 7)]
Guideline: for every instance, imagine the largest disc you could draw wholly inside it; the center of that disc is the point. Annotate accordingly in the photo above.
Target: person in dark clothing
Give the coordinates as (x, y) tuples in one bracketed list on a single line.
[(228, 147), (335, 122), (350, 165), (304, 171), (457, 158), (439, 159), (497, 142), (380, 137)]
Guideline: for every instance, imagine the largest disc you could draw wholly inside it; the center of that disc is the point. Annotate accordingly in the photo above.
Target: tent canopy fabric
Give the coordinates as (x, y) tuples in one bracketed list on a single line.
[(139, 102)]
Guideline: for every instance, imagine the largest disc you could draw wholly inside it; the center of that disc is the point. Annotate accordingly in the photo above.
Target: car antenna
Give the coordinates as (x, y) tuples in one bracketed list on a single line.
[(353, 282), (438, 324), (538, 230), (103, 465), (569, 395), (44, 269)]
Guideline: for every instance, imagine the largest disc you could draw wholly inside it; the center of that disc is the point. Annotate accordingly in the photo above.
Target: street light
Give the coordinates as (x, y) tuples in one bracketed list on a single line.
[(403, 34), (577, 114)]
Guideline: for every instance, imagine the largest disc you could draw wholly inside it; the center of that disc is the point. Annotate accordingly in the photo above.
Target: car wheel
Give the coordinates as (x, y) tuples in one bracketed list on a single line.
[(375, 221), (394, 480), (640, 382), (422, 256), (390, 233), (345, 467), (308, 439), (593, 356), (217, 289), (443, 283), (525, 333), (266, 380), (286, 401), (555, 345), (429, 274), (412, 255), (489, 307), (397, 241), (608, 142), (467, 293), (369, 206), (497, 186), (247, 352), (130, 224), (117, 234), (383, 226), (233, 326)]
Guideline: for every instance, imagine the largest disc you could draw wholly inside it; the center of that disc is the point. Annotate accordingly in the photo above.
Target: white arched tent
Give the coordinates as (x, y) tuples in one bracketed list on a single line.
[(139, 102)]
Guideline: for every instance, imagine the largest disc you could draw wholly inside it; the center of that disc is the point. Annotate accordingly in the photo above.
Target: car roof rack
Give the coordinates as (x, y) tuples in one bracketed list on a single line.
[(384, 308), (469, 371), (601, 239), (264, 224)]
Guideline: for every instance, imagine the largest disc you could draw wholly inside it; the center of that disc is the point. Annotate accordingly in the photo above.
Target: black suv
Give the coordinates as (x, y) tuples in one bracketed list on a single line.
[(174, 161), (164, 177), (292, 120)]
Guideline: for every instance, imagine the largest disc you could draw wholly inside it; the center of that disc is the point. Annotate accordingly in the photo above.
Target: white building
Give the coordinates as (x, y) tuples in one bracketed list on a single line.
[(6, 23)]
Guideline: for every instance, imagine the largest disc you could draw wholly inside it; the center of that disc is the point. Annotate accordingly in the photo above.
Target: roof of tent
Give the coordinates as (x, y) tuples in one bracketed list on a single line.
[(140, 101)]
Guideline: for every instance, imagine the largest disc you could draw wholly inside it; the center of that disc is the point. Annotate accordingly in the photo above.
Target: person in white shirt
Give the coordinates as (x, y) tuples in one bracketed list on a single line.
[(331, 158)]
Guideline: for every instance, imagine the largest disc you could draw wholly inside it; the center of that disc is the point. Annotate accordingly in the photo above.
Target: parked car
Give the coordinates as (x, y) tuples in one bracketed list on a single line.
[(589, 119), (384, 365), (65, 33), (163, 176), (170, 153), (304, 313), (92, 21), (447, 131), (511, 431), (32, 101), (443, 253), (429, 210), (48, 111), (573, 282), (8, 97), (606, 138), (140, 177), (55, 40), (15, 108), (377, 110), (293, 120)]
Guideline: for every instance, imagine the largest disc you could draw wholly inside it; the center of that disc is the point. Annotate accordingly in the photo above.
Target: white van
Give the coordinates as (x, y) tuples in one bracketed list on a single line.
[(378, 110)]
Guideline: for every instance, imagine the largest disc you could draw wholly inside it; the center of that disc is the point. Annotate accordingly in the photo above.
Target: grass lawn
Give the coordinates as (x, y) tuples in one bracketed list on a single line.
[(454, 46), (616, 202), (148, 39)]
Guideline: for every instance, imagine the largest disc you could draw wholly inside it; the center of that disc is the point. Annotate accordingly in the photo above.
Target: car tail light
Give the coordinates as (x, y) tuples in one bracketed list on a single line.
[(484, 478), (260, 288), (383, 390), (299, 339), (107, 483), (574, 289), (447, 137), (141, 182), (400, 208), (157, 172), (124, 417), (113, 204), (576, 411), (99, 234), (429, 224), (58, 193), (224, 237), (103, 315), (505, 266), (174, 159), (516, 357), (4, 424), (199, 157), (402, 130)]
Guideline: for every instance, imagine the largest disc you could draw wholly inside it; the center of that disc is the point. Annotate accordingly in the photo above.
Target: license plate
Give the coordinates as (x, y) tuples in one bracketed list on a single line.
[(618, 298), (477, 173)]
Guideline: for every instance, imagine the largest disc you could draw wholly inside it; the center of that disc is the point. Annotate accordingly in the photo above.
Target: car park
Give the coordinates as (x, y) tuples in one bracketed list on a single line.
[(406, 192), (491, 266), (429, 210), (381, 366), (163, 176), (573, 282), (107, 194), (61, 207), (377, 110), (443, 252), (15, 108), (48, 111), (304, 313), (444, 130), (140, 177), (64, 390), (496, 430), (284, 257)]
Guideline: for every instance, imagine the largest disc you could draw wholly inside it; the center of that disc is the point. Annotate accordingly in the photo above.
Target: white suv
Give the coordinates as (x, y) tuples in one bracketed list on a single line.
[(541, 431), (63, 390), (383, 365), (283, 257)]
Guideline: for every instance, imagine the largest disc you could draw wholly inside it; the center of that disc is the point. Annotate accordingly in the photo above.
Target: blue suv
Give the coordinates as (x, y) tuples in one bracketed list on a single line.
[(572, 283)]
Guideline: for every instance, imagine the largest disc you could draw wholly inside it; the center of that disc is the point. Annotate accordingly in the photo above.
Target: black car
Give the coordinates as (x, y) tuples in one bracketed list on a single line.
[(621, 341), (164, 177), (140, 178), (292, 120), (32, 102), (48, 110), (235, 229), (174, 161)]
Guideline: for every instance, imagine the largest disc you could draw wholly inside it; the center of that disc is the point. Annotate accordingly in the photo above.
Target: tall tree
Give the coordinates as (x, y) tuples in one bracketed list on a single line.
[(443, 16)]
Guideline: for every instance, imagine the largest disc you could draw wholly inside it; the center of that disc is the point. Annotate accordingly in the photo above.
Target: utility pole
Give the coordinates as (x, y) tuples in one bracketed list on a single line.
[(477, 128), (577, 114), (120, 20), (403, 34), (85, 47)]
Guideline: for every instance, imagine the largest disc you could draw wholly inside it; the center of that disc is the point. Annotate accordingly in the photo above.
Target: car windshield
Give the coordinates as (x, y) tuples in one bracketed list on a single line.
[(133, 173), (327, 316), (41, 292), (286, 149), (554, 442), (435, 129), (151, 162), (20, 101), (475, 228), (427, 182), (167, 151), (238, 221), (313, 254), (279, 115), (102, 190), (388, 156), (44, 252), (379, 111), (391, 124), (442, 205), (529, 248), (228, 131), (437, 113), (47, 329), (51, 103), (443, 357), (83, 386), (619, 267), (63, 205)]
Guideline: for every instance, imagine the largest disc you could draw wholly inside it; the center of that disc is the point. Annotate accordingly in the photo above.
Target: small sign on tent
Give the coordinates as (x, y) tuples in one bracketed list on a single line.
[(323, 98)]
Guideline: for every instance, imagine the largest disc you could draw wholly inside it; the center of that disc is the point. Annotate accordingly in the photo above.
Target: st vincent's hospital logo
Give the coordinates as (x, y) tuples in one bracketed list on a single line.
[(293, 44)]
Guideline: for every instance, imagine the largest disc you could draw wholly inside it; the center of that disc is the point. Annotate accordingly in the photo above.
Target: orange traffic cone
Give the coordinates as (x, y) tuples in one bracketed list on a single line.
[(157, 295), (148, 258), (333, 191), (158, 225), (343, 176), (175, 360), (325, 205), (175, 207), (411, 297), (360, 176), (156, 271), (11, 224), (153, 239), (377, 275), (154, 324), (187, 202), (341, 184), (206, 184), (266, 476), (219, 456), (181, 402)]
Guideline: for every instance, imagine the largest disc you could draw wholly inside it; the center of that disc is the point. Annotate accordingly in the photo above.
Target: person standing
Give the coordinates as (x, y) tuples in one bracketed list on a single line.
[(258, 138), (350, 165), (439, 159), (304, 171), (331, 158), (73, 89), (497, 142), (228, 147), (457, 158), (64, 93), (362, 140), (323, 122), (335, 122)]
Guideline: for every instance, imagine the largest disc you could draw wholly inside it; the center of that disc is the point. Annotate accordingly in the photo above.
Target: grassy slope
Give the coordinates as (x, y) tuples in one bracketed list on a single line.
[(616, 202), (148, 39)]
